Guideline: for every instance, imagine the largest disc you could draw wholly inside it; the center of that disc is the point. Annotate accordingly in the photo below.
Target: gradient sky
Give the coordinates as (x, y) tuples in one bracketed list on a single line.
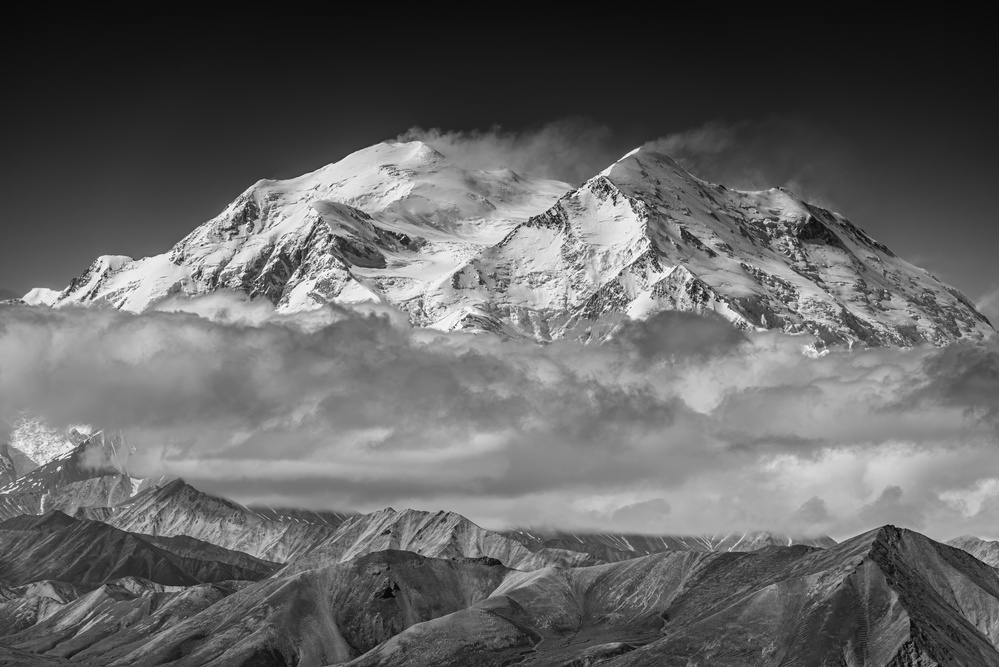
[(121, 144)]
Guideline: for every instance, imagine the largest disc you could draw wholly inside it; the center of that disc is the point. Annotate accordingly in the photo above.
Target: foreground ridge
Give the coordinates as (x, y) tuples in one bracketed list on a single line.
[(417, 588), (163, 577)]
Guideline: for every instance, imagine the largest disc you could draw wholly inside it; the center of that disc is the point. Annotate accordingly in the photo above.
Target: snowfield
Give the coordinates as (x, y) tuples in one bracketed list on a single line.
[(497, 251)]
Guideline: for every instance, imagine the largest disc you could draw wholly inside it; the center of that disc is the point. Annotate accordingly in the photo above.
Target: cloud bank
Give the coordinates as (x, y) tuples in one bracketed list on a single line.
[(678, 424)]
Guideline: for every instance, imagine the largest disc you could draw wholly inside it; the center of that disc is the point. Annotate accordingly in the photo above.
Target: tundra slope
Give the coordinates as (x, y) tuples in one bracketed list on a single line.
[(87, 553), (175, 510), (984, 550), (414, 588), (497, 251), (888, 598)]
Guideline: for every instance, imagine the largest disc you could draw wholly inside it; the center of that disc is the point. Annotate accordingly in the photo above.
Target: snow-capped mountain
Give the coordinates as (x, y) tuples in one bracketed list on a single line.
[(89, 475), (41, 296), (644, 236), (381, 223), (498, 251), (40, 443)]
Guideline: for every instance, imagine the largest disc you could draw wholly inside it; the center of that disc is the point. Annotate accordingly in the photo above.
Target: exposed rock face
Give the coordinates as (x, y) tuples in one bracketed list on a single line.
[(497, 251)]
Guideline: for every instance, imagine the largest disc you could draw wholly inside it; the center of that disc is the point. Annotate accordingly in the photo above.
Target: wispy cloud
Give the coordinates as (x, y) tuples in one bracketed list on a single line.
[(988, 306), (677, 424), (570, 149), (775, 151), (758, 154)]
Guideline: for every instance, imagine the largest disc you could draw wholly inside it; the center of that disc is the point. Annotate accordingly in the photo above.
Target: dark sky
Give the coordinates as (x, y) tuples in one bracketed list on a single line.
[(122, 142)]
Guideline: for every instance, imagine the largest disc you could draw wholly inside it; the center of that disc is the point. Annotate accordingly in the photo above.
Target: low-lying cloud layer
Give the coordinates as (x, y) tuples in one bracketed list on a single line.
[(678, 424)]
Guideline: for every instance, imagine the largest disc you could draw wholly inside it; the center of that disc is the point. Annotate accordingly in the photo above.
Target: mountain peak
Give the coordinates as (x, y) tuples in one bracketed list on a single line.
[(396, 223), (629, 154), (173, 487), (418, 151), (407, 154), (41, 296), (641, 161)]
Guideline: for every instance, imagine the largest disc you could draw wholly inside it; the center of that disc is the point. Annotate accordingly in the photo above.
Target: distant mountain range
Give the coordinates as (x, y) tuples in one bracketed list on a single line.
[(503, 252), (98, 568)]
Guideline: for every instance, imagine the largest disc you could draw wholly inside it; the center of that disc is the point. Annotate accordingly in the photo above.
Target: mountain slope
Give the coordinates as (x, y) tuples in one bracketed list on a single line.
[(89, 458), (983, 550), (302, 538), (55, 546), (497, 251), (611, 547), (179, 509), (438, 535), (370, 226), (110, 615), (317, 617), (645, 236), (8, 472), (88, 475), (890, 598)]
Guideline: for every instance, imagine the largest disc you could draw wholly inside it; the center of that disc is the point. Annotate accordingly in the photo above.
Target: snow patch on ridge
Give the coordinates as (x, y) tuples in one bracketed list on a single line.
[(41, 296)]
